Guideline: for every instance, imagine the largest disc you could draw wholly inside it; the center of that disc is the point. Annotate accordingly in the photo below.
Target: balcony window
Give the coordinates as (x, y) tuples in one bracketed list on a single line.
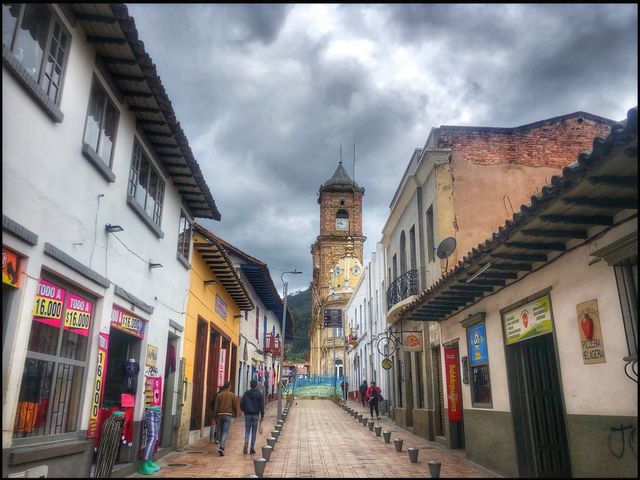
[(402, 287)]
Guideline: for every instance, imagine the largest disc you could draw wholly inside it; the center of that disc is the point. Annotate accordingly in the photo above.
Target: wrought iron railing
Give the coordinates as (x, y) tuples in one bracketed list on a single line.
[(402, 287)]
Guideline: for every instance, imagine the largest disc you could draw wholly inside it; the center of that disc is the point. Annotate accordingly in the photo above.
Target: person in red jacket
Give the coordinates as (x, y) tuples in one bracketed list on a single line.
[(374, 395)]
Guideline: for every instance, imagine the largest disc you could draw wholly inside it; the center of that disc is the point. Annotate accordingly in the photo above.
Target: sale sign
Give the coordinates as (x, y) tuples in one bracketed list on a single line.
[(77, 317), (98, 385), (452, 373), (126, 322), (47, 306)]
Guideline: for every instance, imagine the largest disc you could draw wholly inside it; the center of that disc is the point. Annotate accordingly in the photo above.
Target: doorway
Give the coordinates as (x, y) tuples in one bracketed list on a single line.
[(537, 408), (212, 373), (198, 377), (169, 394)]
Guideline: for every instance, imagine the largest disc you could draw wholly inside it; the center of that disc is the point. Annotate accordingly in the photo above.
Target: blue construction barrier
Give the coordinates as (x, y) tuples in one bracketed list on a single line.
[(316, 386)]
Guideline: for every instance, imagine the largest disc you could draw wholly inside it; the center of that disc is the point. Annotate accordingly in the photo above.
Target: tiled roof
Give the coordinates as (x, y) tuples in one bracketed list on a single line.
[(589, 193), (113, 33)]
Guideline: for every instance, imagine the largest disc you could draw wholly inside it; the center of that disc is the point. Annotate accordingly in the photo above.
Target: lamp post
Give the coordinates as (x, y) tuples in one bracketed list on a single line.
[(284, 325)]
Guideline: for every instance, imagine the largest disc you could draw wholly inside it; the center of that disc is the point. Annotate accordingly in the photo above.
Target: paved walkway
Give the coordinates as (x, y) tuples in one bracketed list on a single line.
[(319, 439)]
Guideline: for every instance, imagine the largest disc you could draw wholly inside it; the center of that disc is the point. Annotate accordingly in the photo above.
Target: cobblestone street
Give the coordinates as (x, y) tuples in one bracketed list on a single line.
[(319, 439)]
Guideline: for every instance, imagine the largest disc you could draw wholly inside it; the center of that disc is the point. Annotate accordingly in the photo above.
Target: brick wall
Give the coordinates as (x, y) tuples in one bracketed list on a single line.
[(551, 143)]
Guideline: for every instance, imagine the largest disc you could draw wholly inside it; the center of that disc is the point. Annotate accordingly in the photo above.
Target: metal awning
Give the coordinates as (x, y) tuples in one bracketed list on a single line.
[(113, 33), (598, 191)]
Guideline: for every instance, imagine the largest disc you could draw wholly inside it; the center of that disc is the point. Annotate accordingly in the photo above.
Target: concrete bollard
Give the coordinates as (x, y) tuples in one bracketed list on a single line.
[(278, 428), (370, 425), (378, 429), (398, 443), (271, 442), (284, 416), (364, 421), (266, 452), (360, 417), (258, 465), (387, 437), (275, 434), (434, 468), (413, 454)]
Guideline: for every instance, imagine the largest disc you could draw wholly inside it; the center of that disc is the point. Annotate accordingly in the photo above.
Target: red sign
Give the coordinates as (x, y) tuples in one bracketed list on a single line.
[(11, 268), (127, 322), (221, 365), (48, 303), (452, 372), (98, 386)]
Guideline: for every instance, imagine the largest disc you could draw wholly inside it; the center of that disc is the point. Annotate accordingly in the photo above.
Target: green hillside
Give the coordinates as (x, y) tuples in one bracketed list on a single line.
[(300, 306)]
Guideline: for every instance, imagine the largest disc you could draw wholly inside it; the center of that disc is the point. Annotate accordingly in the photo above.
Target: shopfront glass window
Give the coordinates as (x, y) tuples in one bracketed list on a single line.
[(480, 379), (54, 370)]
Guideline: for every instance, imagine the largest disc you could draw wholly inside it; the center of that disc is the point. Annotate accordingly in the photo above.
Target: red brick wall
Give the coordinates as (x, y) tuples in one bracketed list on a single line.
[(549, 144)]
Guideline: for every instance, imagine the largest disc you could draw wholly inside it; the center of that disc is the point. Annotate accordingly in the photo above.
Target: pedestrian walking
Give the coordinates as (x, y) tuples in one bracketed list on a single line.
[(263, 391), (224, 410), (252, 404), (363, 391), (374, 395)]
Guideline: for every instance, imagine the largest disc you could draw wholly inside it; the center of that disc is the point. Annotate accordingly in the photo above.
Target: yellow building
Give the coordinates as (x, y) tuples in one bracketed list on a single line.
[(212, 328)]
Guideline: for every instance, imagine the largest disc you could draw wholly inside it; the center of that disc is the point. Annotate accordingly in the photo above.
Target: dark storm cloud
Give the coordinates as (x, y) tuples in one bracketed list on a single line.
[(267, 94)]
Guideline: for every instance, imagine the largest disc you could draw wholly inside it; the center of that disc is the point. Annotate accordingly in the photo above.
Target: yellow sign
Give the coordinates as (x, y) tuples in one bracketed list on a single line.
[(47, 308), (528, 321), (386, 364), (152, 356)]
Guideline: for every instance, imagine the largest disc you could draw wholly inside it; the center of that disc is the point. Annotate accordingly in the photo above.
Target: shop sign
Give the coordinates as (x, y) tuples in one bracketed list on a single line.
[(77, 317), (452, 375), (477, 339), (412, 341), (152, 392), (221, 307), (11, 268), (386, 364), (221, 365), (152, 356), (528, 321), (98, 386), (47, 307), (126, 322), (590, 332)]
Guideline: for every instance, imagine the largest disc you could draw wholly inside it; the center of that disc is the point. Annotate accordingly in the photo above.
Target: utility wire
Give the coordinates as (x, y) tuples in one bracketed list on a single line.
[(131, 251)]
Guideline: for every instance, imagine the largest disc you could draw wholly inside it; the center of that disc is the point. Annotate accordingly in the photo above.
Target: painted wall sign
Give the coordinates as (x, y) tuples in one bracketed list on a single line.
[(11, 268), (528, 320), (386, 364), (77, 317), (47, 306), (152, 356), (590, 332), (221, 307), (221, 366), (152, 392), (127, 322), (452, 372), (412, 341), (477, 338), (98, 385)]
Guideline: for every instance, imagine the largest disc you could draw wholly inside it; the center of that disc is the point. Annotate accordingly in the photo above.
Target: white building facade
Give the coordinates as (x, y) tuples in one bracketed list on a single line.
[(96, 236)]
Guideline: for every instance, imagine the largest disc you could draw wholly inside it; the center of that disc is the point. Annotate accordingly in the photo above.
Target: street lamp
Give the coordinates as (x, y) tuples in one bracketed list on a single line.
[(284, 325)]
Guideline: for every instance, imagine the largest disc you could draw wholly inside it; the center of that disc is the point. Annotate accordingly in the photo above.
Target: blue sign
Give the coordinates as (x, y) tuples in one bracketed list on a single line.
[(477, 338)]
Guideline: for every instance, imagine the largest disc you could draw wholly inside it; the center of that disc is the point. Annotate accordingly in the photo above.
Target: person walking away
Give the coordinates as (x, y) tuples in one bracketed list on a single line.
[(363, 391), (374, 395), (252, 404), (263, 391), (224, 410)]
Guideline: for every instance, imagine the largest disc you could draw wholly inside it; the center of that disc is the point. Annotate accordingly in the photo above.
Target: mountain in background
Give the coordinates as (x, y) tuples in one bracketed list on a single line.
[(299, 304)]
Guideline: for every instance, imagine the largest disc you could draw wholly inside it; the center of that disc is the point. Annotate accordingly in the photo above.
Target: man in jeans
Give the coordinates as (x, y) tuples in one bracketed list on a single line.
[(225, 408), (252, 404)]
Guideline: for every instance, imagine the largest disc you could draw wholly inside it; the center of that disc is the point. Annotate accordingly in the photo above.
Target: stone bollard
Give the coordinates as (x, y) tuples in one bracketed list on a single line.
[(360, 417), (258, 465), (413, 454), (266, 452), (370, 425), (364, 421), (378, 429), (284, 416), (271, 442), (387, 437), (275, 434), (434, 468), (398, 443)]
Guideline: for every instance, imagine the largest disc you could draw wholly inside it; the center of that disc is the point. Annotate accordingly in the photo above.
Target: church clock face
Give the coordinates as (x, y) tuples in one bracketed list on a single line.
[(342, 224)]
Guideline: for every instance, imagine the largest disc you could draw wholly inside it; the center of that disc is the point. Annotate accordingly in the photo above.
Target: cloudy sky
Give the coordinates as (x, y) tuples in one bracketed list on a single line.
[(267, 94)]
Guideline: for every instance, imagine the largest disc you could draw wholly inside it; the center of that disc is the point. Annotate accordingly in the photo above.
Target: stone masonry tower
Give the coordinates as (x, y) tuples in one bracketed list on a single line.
[(340, 200)]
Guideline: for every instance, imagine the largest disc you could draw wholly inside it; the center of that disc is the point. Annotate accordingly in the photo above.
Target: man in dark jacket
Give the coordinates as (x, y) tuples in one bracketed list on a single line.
[(363, 391), (252, 404)]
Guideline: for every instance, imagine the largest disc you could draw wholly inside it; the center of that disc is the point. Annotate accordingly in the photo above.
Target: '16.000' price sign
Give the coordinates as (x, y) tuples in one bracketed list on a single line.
[(98, 386), (77, 317), (47, 306)]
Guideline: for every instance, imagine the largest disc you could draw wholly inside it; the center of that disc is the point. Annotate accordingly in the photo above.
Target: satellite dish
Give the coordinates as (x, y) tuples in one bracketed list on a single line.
[(446, 247)]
